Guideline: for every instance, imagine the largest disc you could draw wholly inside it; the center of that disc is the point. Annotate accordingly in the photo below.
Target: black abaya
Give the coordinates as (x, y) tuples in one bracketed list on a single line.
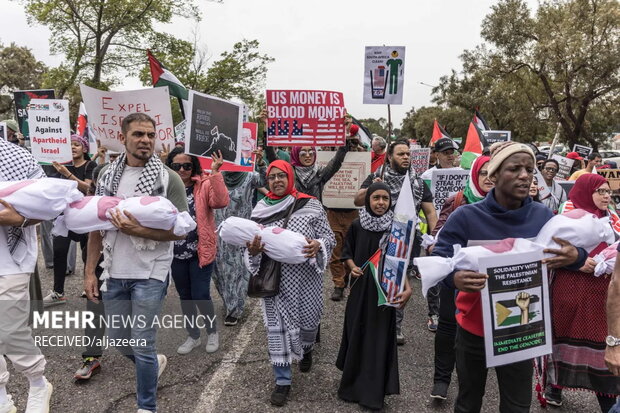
[(368, 355)]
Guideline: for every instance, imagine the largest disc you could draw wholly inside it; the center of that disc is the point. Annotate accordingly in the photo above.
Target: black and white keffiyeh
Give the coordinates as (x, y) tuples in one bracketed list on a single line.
[(150, 182), (17, 164), (305, 174), (376, 224), (395, 181)]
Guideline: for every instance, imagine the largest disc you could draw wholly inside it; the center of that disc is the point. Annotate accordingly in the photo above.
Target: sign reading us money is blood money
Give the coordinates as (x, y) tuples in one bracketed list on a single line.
[(305, 118), (106, 111)]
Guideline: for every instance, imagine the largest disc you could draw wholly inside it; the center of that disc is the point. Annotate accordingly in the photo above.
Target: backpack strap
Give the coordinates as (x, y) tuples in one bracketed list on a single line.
[(458, 200)]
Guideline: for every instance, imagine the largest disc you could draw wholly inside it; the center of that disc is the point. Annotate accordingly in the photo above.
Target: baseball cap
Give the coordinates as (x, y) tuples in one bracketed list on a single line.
[(12, 124), (445, 144), (574, 155)]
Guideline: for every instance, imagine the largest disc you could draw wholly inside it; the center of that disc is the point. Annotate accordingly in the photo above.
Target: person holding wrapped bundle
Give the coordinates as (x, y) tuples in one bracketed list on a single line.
[(292, 310)]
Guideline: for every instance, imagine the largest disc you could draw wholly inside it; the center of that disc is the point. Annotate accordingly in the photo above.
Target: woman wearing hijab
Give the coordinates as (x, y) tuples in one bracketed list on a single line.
[(231, 277), (292, 317), (476, 188), (81, 171), (578, 310), (309, 177), (368, 356)]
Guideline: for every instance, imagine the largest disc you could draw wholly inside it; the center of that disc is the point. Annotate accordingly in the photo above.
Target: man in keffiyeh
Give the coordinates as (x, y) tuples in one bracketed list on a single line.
[(136, 259), (18, 257)]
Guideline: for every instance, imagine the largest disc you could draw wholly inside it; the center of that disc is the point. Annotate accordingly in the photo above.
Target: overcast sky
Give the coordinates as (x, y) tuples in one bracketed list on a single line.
[(319, 44)]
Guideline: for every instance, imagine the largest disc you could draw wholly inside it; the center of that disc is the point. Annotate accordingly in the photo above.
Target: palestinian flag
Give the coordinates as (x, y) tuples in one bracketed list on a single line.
[(363, 132), (163, 77), (508, 313), (480, 122), (475, 142), (82, 121), (373, 266), (438, 133)]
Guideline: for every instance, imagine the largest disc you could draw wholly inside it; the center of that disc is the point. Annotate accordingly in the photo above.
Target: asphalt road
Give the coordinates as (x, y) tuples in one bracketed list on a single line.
[(238, 377)]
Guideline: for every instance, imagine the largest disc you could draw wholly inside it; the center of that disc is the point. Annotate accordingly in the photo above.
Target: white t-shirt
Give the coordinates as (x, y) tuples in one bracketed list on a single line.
[(127, 261)]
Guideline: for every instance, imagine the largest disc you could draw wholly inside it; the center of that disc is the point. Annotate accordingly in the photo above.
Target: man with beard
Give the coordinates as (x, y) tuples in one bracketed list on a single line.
[(399, 163)]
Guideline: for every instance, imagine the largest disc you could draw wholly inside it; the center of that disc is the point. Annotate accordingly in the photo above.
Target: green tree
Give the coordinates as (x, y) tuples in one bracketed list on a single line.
[(376, 126), (418, 123), (19, 70)]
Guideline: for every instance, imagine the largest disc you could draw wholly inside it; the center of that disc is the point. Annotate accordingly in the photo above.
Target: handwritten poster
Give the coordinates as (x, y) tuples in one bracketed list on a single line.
[(305, 117), (106, 111), (340, 191), (50, 131), (384, 74)]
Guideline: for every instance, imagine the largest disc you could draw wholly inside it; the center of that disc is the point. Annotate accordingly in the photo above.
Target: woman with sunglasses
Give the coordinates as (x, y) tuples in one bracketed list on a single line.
[(578, 308), (194, 256), (309, 177), (557, 195)]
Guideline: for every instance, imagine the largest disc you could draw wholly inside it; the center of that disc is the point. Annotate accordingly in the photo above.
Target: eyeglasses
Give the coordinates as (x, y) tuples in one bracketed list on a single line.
[(552, 170), (277, 177), (483, 173), (306, 153), (188, 166), (603, 191)]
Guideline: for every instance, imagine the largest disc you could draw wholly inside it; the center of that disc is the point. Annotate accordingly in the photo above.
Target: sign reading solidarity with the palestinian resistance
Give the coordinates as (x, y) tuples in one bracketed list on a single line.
[(22, 100), (384, 74), (341, 189), (420, 158), (445, 183), (305, 117), (248, 158), (493, 136), (582, 150), (214, 125), (106, 111), (515, 307), (3, 132), (50, 131), (565, 166)]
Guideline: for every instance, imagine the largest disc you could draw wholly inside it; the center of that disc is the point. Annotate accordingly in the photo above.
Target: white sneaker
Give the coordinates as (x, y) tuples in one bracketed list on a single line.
[(188, 346), (39, 398), (213, 342), (54, 298), (8, 407), (162, 361), (144, 411)]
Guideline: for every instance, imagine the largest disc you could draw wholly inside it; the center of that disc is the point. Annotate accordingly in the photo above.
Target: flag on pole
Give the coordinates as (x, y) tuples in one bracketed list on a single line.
[(400, 242), (373, 266), (163, 77), (480, 122), (81, 128), (475, 143), (438, 133)]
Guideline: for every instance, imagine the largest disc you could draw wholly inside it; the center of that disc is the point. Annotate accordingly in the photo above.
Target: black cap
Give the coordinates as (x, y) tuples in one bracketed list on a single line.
[(445, 144)]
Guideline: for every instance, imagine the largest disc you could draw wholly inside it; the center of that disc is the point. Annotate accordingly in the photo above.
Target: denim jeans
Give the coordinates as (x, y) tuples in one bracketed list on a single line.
[(283, 375), (616, 407), (193, 285), (141, 301)]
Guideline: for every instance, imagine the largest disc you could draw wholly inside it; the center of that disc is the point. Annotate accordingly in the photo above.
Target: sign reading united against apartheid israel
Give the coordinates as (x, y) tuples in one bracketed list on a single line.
[(305, 118), (445, 183), (515, 307), (340, 191), (50, 131), (106, 111)]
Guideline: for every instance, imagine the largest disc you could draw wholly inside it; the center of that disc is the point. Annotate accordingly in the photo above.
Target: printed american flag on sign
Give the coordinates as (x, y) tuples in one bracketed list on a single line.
[(293, 132), (392, 276), (400, 239)]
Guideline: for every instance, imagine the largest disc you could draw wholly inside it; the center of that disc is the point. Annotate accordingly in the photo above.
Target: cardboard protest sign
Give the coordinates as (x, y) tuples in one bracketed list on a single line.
[(384, 74), (248, 158), (445, 183), (515, 308), (340, 191), (582, 150), (566, 165), (543, 189), (214, 125), (106, 111), (493, 136), (305, 117), (50, 131), (22, 100), (420, 158), (3, 132), (613, 177)]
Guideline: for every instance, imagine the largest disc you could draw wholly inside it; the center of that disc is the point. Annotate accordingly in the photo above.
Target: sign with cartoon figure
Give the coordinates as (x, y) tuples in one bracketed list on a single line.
[(515, 307), (384, 71)]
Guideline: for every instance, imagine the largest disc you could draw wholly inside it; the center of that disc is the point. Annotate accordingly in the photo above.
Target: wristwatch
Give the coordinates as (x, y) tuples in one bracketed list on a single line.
[(612, 341)]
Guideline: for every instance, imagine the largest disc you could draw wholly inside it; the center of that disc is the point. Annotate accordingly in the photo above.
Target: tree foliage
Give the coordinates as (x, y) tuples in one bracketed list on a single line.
[(19, 70), (418, 123)]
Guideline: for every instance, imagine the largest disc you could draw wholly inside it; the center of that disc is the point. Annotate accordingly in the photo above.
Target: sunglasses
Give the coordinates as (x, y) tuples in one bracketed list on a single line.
[(188, 166), (306, 153)]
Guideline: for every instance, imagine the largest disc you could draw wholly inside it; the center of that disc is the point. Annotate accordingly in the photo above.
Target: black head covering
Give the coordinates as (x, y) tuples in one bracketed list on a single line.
[(375, 186)]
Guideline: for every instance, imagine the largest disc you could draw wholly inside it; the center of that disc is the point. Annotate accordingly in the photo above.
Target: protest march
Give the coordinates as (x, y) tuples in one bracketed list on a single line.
[(218, 240)]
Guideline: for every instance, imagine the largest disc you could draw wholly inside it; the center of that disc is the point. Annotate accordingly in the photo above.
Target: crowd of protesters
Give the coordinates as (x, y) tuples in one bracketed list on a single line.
[(128, 271)]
